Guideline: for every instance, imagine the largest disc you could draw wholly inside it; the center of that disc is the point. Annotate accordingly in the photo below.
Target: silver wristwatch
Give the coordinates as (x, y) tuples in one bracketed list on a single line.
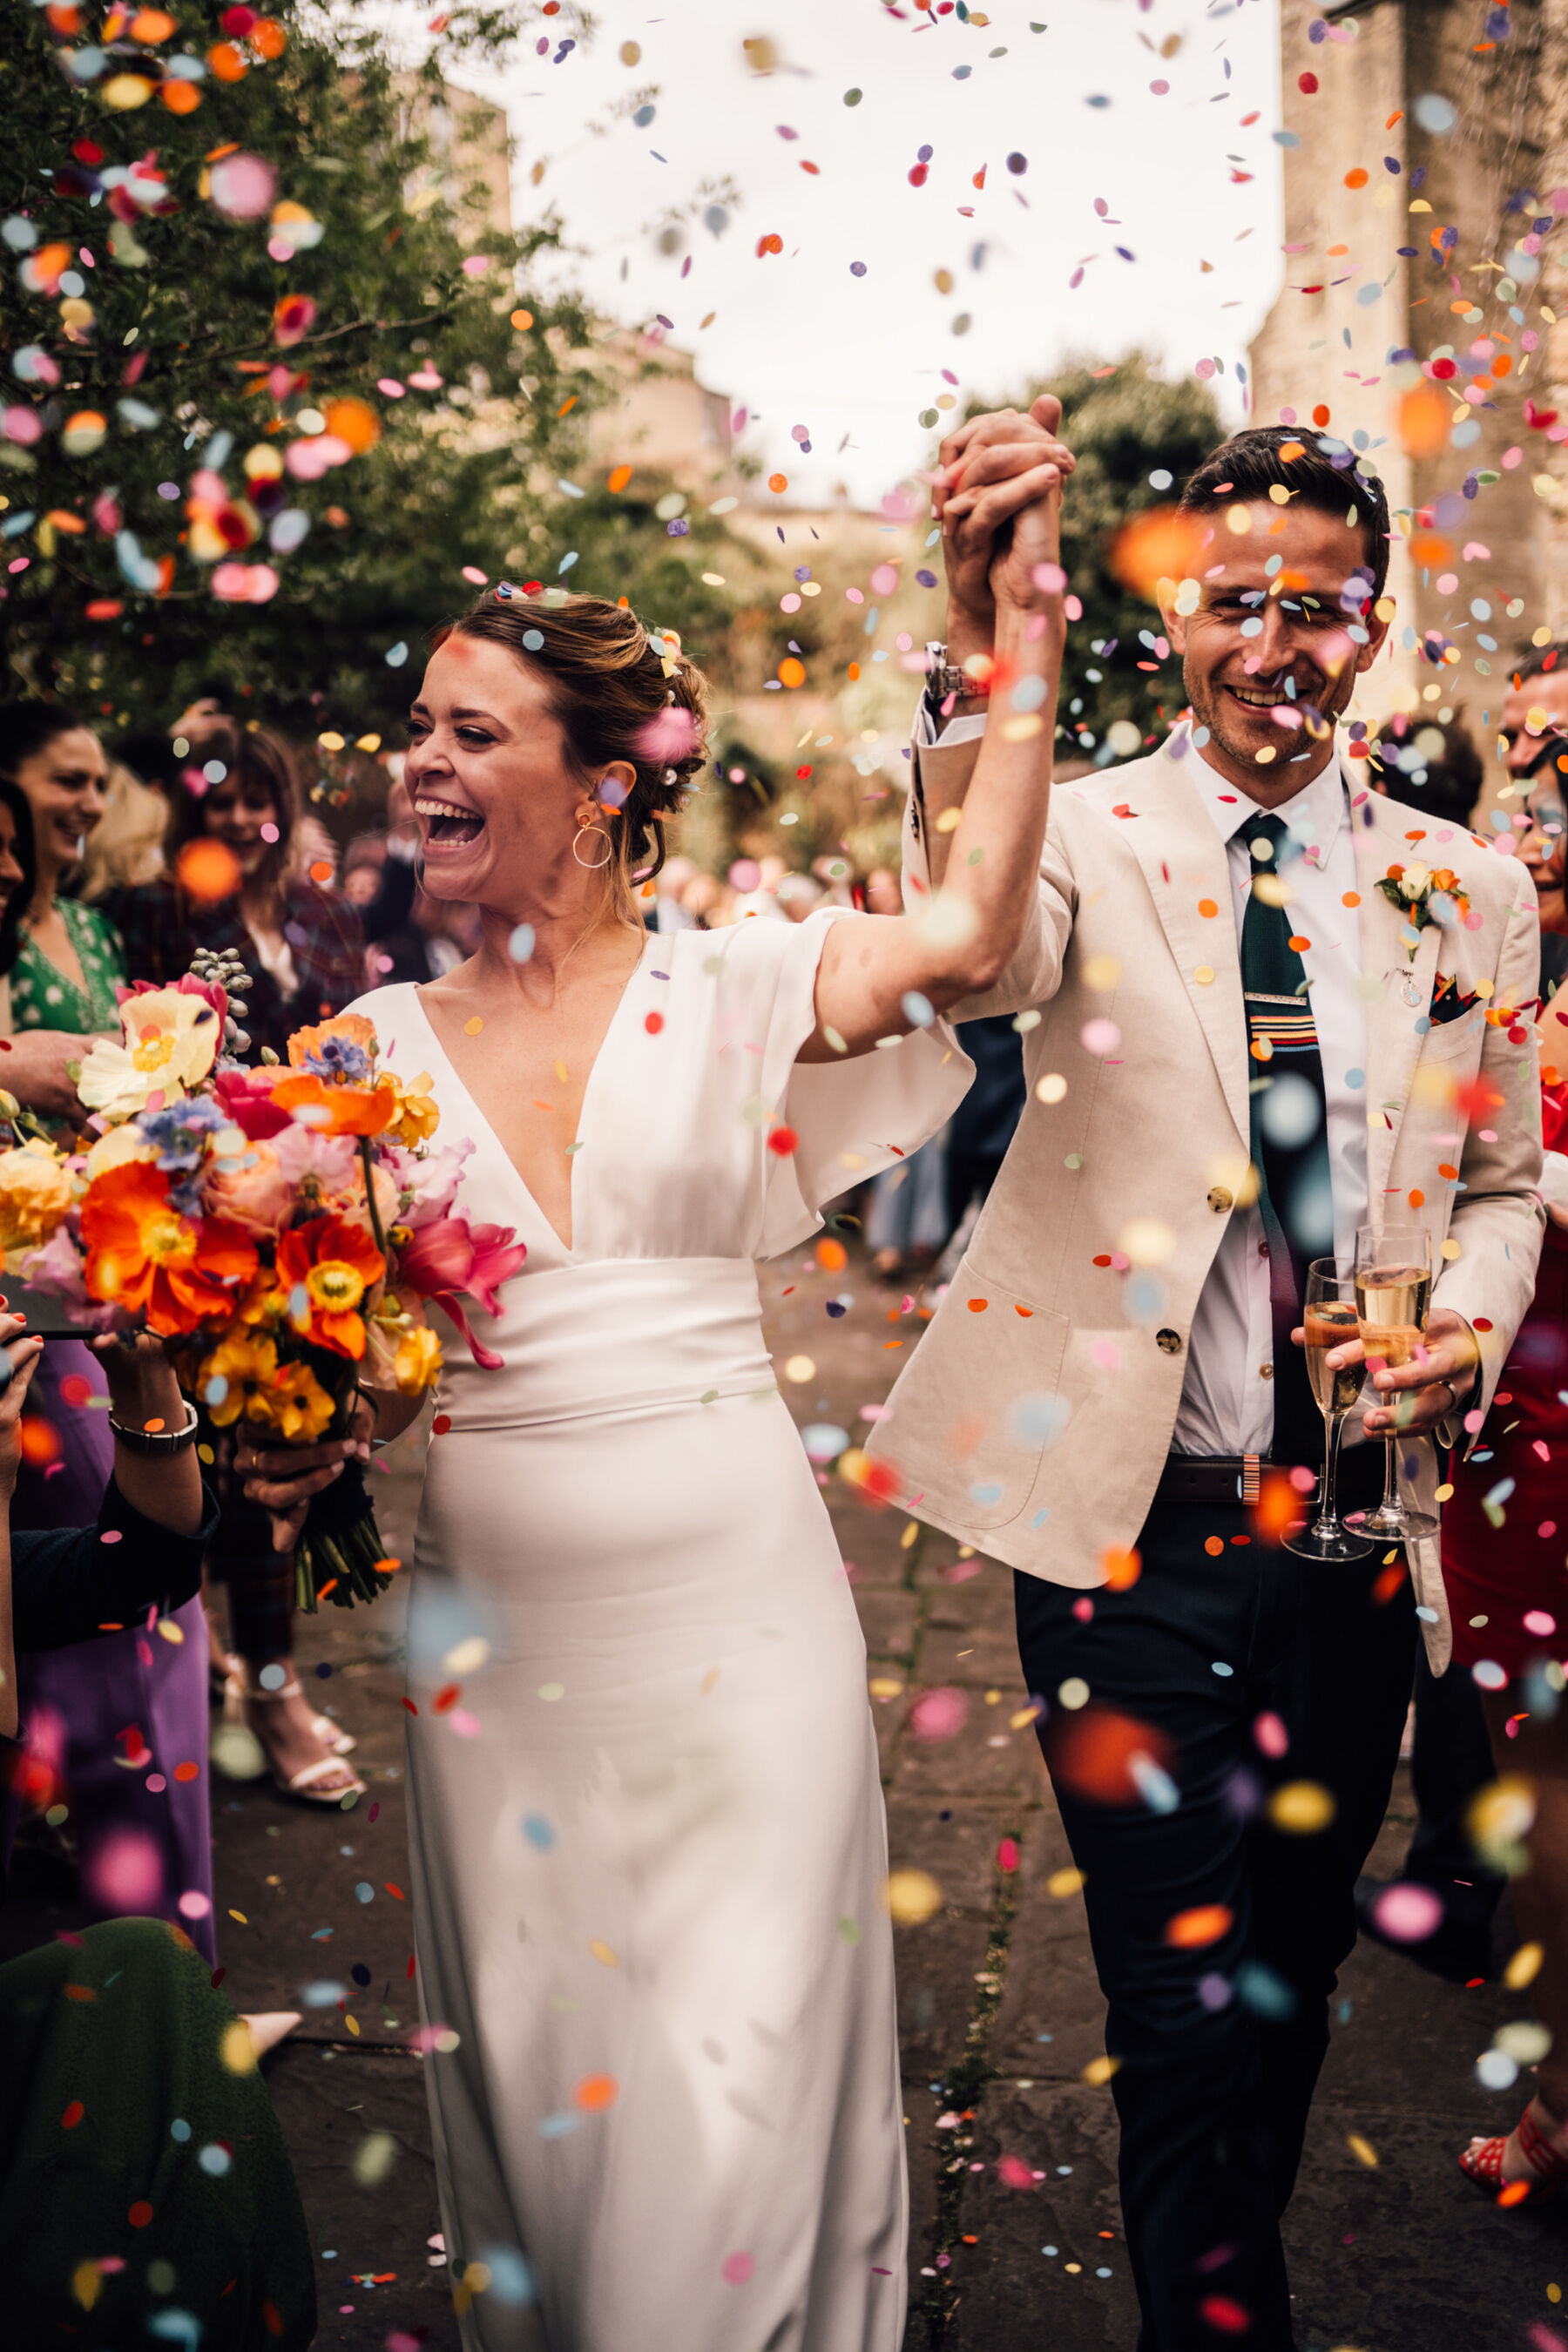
[(944, 677), (158, 1441)]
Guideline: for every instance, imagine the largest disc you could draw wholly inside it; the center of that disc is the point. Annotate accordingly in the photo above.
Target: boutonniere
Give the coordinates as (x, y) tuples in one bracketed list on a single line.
[(1426, 894)]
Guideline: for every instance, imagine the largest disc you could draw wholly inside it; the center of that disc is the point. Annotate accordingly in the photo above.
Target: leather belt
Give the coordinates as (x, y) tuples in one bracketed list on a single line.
[(1211, 1478)]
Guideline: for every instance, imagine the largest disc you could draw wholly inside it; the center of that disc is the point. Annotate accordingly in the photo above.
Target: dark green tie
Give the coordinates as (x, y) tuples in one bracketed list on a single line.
[(1289, 1129)]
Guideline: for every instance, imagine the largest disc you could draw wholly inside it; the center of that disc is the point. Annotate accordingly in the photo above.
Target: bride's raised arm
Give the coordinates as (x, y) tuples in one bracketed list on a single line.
[(1008, 530)]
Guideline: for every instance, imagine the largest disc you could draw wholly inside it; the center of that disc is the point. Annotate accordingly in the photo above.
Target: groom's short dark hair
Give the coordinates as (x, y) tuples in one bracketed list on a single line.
[(1324, 473)]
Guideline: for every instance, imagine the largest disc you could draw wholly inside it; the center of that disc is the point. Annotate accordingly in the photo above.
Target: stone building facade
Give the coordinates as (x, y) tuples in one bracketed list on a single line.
[(1423, 148)]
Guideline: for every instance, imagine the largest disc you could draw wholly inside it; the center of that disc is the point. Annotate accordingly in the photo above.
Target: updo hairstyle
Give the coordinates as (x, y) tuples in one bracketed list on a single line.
[(609, 680)]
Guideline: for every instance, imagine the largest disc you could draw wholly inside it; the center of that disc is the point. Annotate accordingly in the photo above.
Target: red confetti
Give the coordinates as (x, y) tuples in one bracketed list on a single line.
[(783, 1140), (408, 1703), (441, 1424), (652, 1024), (141, 2213), (446, 1699), (72, 2115)]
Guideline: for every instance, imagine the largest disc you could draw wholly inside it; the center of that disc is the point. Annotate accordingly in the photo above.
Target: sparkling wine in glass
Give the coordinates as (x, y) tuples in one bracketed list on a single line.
[(1329, 1319), (1392, 1293)]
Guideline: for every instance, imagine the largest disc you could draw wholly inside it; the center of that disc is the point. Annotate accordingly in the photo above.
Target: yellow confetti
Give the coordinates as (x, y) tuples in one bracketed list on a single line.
[(909, 1536), (800, 1368), (1063, 1883), (1302, 1808), (560, 1069), (1100, 2070), (603, 1955), (471, 1028), (1524, 1966), (949, 820), (883, 1688), (1026, 1716), (236, 2049), (709, 1680), (913, 1897), (353, 2025), (87, 2279), (240, 1917), (171, 1632), (1362, 2149)]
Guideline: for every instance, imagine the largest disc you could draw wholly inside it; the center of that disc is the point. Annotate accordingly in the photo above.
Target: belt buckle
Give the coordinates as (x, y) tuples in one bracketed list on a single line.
[(1250, 1480)]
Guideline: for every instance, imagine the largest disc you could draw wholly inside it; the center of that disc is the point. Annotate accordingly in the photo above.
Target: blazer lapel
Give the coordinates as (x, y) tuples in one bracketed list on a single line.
[(1407, 973), (1186, 864)]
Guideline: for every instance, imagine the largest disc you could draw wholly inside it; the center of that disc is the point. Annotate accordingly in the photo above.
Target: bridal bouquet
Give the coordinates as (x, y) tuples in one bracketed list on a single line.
[(286, 1226)]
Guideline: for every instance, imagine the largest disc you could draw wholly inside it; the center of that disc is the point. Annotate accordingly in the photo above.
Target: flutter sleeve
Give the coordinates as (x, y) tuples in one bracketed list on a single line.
[(849, 1118)]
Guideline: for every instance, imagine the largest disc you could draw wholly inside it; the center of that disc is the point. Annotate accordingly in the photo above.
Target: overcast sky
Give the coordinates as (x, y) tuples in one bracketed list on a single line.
[(797, 338)]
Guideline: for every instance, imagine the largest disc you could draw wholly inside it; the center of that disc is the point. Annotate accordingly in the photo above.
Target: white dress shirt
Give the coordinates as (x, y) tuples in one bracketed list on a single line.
[(1228, 1398), (1227, 1404)]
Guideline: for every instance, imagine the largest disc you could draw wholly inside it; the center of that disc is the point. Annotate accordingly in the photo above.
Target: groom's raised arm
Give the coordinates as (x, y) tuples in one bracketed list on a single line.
[(944, 748)]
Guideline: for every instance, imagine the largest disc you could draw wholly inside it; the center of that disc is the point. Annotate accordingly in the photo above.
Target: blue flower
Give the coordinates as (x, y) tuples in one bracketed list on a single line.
[(340, 1057), (178, 1133)]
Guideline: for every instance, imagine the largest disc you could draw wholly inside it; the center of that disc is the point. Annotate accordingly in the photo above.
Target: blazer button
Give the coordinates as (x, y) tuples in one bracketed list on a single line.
[(1169, 1342), (1221, 1201)]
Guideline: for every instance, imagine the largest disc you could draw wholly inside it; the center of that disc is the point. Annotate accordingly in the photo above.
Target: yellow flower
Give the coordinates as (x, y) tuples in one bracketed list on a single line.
[(299, 1404), (34, 1193), (417, 1362), (417, 1114), (172, 1040), (242, 1370)]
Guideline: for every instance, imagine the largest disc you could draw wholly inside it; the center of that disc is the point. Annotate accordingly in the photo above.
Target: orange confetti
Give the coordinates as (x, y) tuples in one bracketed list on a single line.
[(1298, 942), (1418, 1199), (180, 96), (832, 1256), (1351, 899), (226, 62), (597, 2092), (777, 482), (208, 870), (268, 38), (1321, 414), (1424, 420), (769, 244), (1208, 910), (522, 321), (1122, 1567), (1189, 1931), (1356, 179), (1213, 1544), (40, 1441), (978, 1305), (186, 1771), (566, 405), (619, 478), (355, 422), (792, 672)]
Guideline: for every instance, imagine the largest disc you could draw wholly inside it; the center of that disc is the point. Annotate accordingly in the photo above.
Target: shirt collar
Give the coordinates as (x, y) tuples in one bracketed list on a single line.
[(1313, 816)]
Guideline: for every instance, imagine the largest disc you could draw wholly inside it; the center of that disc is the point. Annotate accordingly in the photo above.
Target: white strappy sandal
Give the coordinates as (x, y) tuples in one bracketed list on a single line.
[(305, 1784)]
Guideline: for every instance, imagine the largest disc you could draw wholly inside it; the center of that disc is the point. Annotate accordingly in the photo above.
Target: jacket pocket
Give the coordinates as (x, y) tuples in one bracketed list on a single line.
[(978, 1402)]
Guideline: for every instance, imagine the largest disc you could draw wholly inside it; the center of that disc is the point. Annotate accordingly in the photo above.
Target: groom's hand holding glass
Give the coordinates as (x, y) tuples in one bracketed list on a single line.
[(1426, 1390)]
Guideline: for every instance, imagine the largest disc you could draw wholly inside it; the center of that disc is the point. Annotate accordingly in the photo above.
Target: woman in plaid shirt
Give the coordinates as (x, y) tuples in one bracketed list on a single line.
[(231, 883)]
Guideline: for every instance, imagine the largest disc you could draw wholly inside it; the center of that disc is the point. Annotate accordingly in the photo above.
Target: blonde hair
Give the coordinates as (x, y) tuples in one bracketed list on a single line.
[(125, 847), (611, 684)]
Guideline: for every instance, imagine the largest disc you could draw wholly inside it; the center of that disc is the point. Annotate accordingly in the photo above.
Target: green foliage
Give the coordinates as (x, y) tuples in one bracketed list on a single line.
[(174, 342), (1120, 429)]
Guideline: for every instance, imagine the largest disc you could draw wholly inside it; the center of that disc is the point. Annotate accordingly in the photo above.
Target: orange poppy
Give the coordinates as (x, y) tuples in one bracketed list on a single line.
[(353, 1027), (337, 1111), (145, 1254), (326, 1267)]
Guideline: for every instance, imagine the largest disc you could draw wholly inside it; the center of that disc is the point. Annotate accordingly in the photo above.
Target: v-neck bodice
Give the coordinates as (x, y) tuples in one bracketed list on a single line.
[(699, 1137)]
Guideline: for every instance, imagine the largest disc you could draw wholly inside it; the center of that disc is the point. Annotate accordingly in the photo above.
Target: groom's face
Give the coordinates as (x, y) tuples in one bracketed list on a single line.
[(1267, 659)]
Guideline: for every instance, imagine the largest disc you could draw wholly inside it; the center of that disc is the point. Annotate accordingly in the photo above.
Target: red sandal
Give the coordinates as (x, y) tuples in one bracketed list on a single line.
[(1482, 2163)]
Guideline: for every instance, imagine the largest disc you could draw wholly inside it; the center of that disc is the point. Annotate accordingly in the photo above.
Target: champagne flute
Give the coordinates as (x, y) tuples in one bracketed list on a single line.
[(1330, 1320), (1394, 1291)]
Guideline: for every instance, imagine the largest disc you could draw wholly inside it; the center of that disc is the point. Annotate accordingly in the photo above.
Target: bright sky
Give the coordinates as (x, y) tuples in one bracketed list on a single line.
[(797, 338)]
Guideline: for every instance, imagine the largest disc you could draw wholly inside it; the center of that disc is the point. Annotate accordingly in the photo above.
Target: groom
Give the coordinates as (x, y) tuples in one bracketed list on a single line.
[(1110, 1399)]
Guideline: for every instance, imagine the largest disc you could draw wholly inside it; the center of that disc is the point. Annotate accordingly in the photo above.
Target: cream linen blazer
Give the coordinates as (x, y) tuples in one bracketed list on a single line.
[(1035, 1416)]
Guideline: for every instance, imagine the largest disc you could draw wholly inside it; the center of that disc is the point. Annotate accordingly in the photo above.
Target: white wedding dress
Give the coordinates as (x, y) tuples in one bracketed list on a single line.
[(648, 1852)]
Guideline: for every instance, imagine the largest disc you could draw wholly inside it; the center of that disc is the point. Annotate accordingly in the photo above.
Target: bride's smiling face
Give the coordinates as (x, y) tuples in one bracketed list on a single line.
[(487, 774)]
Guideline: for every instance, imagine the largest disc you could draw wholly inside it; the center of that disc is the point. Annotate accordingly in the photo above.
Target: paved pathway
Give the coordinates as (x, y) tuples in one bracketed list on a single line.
[(1001, 2019)]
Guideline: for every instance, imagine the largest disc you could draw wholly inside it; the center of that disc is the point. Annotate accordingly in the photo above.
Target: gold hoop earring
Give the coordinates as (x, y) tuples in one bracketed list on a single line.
[(585, 825)]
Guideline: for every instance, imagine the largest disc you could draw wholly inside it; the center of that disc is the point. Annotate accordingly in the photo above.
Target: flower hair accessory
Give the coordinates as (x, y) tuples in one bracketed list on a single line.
[(1426, 894)]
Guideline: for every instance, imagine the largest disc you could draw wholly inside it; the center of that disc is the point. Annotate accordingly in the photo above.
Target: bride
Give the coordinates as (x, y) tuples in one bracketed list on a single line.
[(648, 1852)]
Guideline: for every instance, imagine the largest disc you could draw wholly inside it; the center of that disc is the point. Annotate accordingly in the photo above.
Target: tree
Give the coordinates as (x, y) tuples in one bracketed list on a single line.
[(275, 377), (1123, 428)]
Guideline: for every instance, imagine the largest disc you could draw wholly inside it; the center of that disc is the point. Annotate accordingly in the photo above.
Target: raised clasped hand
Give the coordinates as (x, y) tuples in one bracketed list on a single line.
[(1426, 1390), (283, 1478), (998, 501)]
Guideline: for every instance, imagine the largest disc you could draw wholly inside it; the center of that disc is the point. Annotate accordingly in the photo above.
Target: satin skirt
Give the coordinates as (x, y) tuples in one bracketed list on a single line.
[(649, 1846)]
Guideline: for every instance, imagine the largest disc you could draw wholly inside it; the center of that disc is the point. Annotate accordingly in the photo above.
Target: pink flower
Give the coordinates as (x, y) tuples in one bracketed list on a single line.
[(260, 1196), (430, 1184), (247, 1097), (450, 1255)]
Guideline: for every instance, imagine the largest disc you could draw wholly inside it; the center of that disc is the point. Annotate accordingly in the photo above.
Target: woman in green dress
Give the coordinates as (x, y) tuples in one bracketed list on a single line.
[(72, 959)]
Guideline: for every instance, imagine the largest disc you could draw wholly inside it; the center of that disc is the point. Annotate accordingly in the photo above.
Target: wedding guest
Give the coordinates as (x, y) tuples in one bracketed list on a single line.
[(303, 947), (1231, 1763), (128, 2085), (1444, 784), (82, 1701), (1503, 1532)]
